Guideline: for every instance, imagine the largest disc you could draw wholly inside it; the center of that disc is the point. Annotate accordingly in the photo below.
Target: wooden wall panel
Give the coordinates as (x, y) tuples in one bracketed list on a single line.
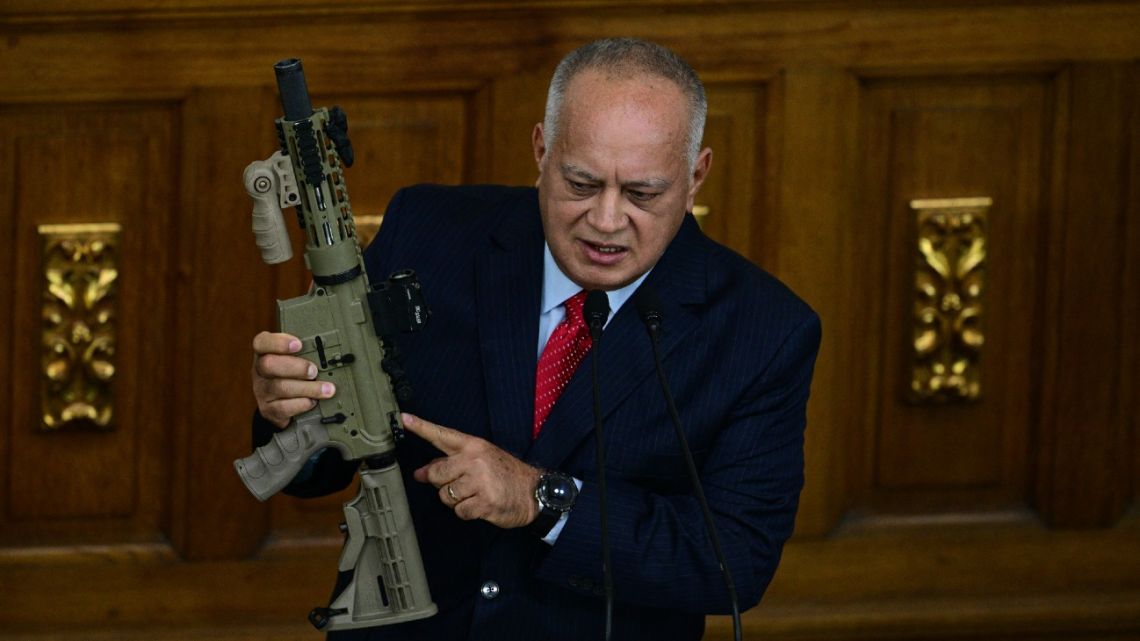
[(220, 288), (1084, 478), (83, 163), (811, 247), (735, 193), (1130, 354), (517, 102), (8, 261), (949, 137), (826, 117), (401, 140)]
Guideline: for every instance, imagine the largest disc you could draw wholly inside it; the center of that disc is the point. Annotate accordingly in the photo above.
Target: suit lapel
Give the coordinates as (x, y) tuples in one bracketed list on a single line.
[(625, 357), (509, 285)]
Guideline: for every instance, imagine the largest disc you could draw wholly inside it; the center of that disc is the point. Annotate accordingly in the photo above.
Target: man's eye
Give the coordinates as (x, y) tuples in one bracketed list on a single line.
[(578, 187), (640, 196)]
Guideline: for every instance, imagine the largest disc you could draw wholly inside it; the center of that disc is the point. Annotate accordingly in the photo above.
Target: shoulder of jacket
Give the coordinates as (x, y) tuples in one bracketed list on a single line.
[(756, 286)]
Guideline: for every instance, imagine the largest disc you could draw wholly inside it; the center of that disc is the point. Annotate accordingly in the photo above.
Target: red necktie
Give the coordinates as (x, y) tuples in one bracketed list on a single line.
[(566, 348)]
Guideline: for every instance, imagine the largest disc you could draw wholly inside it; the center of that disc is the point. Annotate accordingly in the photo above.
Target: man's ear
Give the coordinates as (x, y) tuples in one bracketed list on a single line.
[(700, 172), (538, 141)]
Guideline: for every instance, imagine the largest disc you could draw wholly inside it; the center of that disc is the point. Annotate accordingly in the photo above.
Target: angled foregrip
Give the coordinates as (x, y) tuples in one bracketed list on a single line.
[(262, 184), (274, 464)]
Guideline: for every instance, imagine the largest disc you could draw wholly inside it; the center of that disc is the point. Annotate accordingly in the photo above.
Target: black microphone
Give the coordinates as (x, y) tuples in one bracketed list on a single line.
[(595, 311), (649, 309)]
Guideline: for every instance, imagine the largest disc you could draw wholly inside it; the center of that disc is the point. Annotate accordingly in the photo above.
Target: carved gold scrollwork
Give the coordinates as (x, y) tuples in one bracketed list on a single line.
[(80, 267), (949, 281)]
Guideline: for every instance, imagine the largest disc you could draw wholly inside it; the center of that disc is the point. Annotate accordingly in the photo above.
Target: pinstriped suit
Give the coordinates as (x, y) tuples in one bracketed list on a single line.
[(739, 349)]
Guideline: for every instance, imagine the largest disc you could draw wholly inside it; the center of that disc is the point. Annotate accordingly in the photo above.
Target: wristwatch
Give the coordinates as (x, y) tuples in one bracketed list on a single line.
[(555, 493)]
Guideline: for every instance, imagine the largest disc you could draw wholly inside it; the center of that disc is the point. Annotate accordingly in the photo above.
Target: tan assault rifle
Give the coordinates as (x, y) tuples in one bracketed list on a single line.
[(344, 325)]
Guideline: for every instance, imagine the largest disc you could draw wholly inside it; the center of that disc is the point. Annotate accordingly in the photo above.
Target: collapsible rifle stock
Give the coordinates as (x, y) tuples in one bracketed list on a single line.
[(345, 326)]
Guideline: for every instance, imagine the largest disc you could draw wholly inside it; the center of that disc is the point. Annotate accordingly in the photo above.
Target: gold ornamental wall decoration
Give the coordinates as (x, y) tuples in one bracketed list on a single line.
[(949, 282), (80, 270)]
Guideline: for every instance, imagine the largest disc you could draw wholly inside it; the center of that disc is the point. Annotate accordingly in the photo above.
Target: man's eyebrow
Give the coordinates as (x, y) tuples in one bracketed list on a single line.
[(650, 183), (647, 183), (579, 173)]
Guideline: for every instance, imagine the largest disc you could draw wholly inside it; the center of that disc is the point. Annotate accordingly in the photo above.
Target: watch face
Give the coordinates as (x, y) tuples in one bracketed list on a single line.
[(557, 492)]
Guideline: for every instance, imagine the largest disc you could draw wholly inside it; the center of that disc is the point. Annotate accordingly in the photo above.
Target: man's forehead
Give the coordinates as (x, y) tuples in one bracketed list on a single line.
[(593, 93), (617, 117)]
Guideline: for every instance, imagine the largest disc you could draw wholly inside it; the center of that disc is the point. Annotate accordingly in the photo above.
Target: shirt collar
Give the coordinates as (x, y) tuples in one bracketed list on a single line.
[(557, 287)]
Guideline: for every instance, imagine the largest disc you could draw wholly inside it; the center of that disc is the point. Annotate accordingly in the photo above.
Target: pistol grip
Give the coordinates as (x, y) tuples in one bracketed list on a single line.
[(274, 464)]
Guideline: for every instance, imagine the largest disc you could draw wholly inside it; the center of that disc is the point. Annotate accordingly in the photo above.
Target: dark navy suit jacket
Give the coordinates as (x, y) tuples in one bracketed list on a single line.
[(738, 348)]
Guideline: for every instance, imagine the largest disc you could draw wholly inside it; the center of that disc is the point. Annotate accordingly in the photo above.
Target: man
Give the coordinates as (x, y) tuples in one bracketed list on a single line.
[(619, 162)]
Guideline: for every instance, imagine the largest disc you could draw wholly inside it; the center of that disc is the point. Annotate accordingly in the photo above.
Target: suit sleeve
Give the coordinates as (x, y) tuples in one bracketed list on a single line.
[(661, 553)]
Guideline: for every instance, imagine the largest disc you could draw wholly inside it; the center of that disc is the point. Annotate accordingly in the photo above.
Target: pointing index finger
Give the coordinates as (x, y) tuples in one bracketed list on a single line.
[(445, 439)]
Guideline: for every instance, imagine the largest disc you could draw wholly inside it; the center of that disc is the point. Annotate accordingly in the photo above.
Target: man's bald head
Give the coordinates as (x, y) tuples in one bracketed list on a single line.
[(626, 58)]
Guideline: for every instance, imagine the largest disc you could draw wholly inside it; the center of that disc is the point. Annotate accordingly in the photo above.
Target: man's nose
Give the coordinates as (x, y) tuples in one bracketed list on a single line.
[(607, 216)]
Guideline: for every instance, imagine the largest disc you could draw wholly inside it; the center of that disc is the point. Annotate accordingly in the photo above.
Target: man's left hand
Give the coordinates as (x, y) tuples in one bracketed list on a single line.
[(475, 478)]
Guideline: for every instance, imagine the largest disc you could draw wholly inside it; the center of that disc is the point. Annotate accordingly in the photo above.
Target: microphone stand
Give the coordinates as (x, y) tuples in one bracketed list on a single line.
[(595, 311), (649, 308)]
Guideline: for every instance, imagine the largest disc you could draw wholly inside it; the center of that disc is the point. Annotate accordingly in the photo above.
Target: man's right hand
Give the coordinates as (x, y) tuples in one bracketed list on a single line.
[(284, 384)]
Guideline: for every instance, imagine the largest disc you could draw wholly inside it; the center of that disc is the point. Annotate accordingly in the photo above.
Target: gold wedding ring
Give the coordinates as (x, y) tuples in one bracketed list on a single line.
[(451, 493)]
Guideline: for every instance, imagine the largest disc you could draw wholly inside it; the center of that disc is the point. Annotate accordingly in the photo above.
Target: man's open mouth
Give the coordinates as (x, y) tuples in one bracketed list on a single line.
[(605, 249)]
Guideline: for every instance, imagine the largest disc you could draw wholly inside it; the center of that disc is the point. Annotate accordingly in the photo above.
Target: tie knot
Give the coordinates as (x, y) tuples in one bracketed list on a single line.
[(574, 306)]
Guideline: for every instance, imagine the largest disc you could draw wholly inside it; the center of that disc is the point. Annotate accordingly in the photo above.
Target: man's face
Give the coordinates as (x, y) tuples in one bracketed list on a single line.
[(615, 186)]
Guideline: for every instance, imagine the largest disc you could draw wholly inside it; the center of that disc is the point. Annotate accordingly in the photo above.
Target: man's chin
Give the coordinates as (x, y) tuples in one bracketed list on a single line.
[(605, 280)]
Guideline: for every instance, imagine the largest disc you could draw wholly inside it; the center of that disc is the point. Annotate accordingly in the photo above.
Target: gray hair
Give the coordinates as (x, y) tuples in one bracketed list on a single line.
[(626, 57)]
